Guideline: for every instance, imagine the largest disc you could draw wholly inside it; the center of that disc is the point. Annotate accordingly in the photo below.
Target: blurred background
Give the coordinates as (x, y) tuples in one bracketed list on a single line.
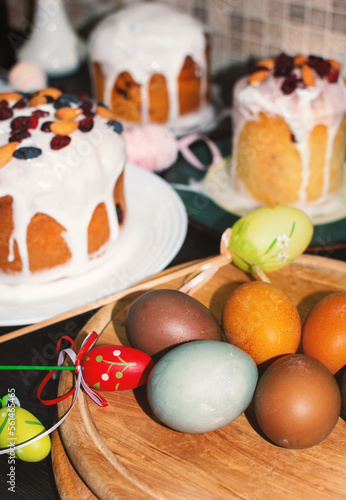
[(240, 29)]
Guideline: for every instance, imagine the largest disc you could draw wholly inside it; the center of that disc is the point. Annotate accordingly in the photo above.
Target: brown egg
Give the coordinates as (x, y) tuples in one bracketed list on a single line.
[(297, 401), (161, 319)]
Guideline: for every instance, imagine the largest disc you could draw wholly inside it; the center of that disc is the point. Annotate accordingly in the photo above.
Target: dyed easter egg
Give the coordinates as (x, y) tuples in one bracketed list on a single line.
[(270, 237), (159, 320), (201, 386), (115, 367), (297, 401), (324, 331), (17, 426)]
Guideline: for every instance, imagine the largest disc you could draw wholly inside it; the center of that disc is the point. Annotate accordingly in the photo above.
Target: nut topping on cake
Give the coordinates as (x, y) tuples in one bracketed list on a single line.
[(72, 112), (300, 71), (308, 76), (6, 152)]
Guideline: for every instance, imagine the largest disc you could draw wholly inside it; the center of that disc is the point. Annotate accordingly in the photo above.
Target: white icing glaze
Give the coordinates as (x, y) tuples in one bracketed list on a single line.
[(65, 184), (145, 39), (303, 109)]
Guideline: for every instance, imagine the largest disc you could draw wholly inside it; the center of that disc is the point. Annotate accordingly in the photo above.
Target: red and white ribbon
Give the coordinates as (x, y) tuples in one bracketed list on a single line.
[(76, 358)]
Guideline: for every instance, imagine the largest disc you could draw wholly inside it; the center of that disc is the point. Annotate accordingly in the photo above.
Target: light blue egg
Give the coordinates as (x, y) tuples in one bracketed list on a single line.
[(201, 386)]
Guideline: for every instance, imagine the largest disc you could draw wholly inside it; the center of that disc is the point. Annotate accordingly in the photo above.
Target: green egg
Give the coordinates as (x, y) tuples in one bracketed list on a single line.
[(17, 426), (270, 237)]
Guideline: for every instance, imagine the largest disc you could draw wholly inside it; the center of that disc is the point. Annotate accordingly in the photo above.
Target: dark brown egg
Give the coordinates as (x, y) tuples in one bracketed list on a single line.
[(161, 319), (297, 401)]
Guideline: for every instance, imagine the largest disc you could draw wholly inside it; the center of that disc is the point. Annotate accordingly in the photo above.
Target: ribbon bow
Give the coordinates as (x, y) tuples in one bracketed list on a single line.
[(76, 358)]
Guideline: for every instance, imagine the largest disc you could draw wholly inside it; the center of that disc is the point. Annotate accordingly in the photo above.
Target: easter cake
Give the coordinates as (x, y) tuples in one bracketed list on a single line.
[(289, 133), (62, 201), (150, 63)]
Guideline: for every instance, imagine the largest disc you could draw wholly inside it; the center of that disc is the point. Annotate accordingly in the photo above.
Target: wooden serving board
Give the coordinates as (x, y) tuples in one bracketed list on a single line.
[(122, 451)]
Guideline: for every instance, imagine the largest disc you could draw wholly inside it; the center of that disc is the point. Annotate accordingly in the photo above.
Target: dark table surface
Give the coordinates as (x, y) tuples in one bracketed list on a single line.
[(35, 481)]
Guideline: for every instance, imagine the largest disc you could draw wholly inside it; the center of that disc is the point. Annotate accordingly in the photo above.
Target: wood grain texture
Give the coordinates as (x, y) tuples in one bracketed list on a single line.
[(69, 484), (123, 452)]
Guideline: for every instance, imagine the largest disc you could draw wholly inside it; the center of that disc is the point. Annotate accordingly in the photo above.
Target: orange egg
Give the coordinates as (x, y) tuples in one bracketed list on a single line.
[(324, 331), (259, 318)]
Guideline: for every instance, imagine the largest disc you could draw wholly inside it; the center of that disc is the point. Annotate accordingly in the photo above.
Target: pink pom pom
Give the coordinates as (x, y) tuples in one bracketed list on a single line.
[(27, 77), (152, 147)]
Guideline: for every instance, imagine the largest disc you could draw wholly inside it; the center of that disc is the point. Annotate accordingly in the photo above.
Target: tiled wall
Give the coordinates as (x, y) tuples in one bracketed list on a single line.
[(240, 29)]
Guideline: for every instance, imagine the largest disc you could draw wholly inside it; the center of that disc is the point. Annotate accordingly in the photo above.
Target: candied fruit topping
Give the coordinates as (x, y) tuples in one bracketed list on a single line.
[(20, 123), (19, 136), (116, 126), (71, 112), (87, 107), (60, 141), (86, 124), (40, 113), (27, 153), (285, 66), (5, 113), (290, 84), (120, 213), (61, 103), (332, 75), (45, 127), (22, 103)]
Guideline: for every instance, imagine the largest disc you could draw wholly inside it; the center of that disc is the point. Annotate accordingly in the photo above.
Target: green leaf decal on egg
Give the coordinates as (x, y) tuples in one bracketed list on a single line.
[(270, 237), (18, 426)]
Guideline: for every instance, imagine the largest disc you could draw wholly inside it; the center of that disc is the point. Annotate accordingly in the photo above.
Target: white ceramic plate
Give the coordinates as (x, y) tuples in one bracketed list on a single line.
[(153, 234)]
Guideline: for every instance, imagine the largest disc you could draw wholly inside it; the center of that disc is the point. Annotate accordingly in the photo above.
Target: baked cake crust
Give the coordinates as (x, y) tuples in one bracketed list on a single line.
[(289, 138), (158, 67), (62, 199)]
